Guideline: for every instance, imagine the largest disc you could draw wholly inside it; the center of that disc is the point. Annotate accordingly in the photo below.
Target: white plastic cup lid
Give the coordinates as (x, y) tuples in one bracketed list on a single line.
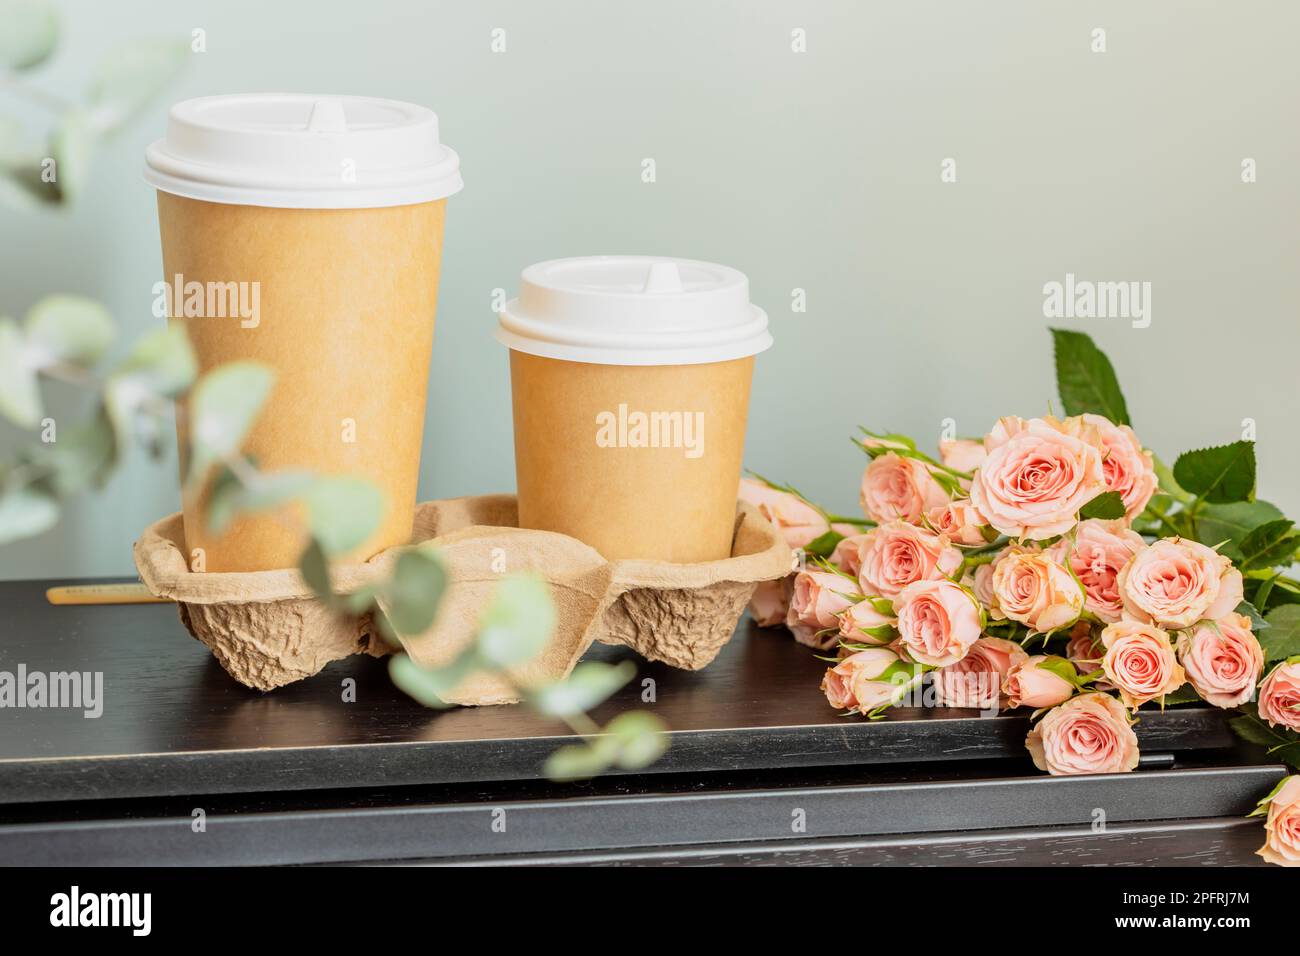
[(633, 310), (303, 152)]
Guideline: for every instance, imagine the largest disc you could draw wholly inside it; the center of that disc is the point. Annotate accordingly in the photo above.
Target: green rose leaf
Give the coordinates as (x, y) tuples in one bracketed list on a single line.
[(412, 594), (1183, 695), (69, 328), (1108, 505), (223, 407), (518, 622), (824, 545), (25, 513), (1272, 543), (29, 31), (1232, 522), (20, 396), (1257, 622), (590, 684), (1061, 667), (1282, 637), (342, 512), (1220, 475), (1086, 379), (131, 74)]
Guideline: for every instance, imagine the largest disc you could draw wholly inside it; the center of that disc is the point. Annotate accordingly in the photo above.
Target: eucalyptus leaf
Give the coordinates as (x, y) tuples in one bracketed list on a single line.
[(641, 738), (518, 622), (426, 684), (29, 32), (412, 595), (80, 458), (590, 684), (20, 396), (229, 496), (1085, 378), (25, 513), (1108, 505), (1282, 637), (581, 761), (69, 328), (343, 512), (72, 146), (315, 570), (222, 408), (131, 74), (161, 365), (1222, 474)]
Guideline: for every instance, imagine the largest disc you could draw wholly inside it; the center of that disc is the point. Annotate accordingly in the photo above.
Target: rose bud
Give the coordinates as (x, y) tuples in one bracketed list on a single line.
[(860, 680), (771, 601), (1028, 684), (1031, 588), (798, 522), (957, 521), (1097, 554), (864, 623)]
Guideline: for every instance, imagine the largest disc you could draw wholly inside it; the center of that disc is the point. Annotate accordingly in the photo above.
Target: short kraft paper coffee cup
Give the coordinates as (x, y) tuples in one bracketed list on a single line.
[(630, 381), (305, 233)]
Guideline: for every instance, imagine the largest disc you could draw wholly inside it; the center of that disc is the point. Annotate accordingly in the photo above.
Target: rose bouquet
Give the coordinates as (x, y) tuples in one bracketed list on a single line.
[(1058, 565)]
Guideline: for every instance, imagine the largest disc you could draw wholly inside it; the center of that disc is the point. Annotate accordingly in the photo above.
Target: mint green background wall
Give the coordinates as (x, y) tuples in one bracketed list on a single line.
[(817, 171)]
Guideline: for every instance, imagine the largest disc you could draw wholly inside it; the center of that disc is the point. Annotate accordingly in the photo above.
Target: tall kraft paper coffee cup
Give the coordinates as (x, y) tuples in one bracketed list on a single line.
[(322, 219), (630, 380)]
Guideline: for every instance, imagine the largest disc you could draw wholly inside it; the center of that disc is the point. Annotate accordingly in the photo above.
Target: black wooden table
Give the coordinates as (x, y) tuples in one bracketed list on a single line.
[(186, 766)]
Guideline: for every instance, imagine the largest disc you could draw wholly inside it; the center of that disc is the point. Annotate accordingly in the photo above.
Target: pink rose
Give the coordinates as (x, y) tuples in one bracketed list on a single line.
[(897, 554), (796, 520), (1087, 734), (1126, 467), (958, 521), (1083, 651), (894, 487), (1282, 825), (863, 624), (1223, 660), (938, 621), (1175, 583), (815, 602), (1030, 685), (962, 454), (1003, 430), (1031, 588), (976, 679), (1279, 697), (1098, 553), (1033, 485), (771, 601), (981, 582), (856, 681), (847, 554), (1139, 662)]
